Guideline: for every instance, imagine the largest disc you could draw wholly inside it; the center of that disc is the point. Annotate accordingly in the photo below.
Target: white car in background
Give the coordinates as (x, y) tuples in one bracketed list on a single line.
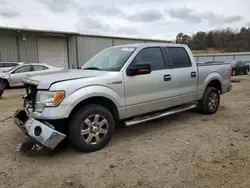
[(4, 66), (14, 76)]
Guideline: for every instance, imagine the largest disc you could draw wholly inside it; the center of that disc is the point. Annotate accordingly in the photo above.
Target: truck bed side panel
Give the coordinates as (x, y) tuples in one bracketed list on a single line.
[(210, 72)]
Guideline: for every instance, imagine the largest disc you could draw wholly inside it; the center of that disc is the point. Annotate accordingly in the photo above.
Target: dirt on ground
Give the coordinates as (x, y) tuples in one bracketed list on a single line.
[(184, 150)]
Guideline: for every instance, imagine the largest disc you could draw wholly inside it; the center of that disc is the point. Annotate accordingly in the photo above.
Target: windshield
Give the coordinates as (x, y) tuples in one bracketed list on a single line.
[(111, 59)]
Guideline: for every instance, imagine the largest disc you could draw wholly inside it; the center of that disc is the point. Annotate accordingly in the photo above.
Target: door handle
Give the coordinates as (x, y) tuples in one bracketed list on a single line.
[(193, 74), (167, 77)]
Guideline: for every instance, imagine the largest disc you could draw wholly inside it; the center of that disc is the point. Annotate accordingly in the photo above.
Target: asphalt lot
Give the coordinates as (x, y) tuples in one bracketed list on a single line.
[(184, 150)]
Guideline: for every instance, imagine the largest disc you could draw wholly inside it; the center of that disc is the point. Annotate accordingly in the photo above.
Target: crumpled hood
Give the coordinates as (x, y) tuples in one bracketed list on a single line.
[(45, 80)]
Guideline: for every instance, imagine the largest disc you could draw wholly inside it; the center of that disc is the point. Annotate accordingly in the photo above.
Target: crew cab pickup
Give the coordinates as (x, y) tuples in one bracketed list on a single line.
[(121, 85)]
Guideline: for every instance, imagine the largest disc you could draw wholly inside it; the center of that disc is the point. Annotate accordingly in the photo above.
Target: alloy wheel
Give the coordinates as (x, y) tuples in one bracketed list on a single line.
[(94, 129), (2, 85), (213, 101)]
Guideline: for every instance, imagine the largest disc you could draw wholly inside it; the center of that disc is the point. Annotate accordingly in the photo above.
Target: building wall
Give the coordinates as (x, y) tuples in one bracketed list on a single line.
[(125, 41), (152, 41), (13, 47), (80, 47), (72, 47), (28, 49), (8, 48), (89, 46)]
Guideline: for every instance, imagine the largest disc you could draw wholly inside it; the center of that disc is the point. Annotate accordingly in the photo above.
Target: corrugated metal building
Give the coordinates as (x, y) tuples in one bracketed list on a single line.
[(69, 50)]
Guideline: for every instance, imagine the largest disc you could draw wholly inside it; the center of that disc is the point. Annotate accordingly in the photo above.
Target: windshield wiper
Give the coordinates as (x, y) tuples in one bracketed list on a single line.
[(91, 68)]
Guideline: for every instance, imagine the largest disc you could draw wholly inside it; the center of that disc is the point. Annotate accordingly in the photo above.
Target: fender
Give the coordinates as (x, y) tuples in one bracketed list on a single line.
[(94, 91), (210, 77), (213, 76), (7, 79)]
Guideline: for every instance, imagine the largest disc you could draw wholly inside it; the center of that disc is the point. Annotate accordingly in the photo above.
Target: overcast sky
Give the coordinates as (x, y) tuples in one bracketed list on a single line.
[(158, 19)]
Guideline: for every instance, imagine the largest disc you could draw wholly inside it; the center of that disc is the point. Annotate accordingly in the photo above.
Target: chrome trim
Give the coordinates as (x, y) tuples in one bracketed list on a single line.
[(48, 137), (160, 115)]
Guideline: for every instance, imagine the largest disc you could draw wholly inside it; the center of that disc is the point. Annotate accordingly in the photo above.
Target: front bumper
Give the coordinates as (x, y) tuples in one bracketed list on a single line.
[(39, 132)]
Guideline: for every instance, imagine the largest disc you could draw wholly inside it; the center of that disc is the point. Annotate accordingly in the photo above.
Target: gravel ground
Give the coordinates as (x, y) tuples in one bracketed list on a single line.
[(184, 150)]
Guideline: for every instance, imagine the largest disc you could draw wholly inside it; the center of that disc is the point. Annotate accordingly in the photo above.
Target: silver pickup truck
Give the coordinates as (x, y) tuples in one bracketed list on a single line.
[(125, 85)]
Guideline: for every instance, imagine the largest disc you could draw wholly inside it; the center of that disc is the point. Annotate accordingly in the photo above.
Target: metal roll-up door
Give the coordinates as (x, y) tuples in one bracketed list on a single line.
[(53, 51)]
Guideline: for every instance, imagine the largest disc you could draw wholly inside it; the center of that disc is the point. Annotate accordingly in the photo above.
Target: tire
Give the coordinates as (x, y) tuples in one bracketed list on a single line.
[(84, 133), (3, 84), (2, 87), (233, 72), (246, 71), (210, 101)]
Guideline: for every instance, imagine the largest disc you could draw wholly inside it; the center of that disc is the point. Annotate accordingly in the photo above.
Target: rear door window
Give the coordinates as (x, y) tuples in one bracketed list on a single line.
[(178, 57), (39, 67)]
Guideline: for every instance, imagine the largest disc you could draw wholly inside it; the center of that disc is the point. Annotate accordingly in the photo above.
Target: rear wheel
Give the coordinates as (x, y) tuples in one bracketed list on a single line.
[(246, 71), (210, 101), (91, 128)]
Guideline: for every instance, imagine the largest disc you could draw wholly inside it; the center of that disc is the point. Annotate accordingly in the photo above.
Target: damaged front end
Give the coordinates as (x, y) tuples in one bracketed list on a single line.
[(43, 133)]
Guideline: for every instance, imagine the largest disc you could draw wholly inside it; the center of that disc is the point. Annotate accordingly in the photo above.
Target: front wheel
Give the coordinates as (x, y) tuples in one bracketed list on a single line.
[(246, 71), (91, 128), (210, 101)]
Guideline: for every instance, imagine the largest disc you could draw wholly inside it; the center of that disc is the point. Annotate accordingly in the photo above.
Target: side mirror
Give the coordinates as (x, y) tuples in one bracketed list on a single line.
[(138, 69)]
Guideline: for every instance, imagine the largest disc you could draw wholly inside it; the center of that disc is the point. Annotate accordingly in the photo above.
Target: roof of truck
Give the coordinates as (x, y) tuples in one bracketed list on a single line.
[(136, 45)]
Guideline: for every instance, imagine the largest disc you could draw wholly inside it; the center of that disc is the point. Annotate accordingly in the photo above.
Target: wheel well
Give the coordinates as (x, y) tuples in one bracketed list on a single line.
[(7, 82), (103, 101), (216, 84)]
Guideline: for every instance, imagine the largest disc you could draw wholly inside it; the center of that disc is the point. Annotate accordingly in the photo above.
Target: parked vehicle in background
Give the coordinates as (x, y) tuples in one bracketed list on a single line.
[(4, 66), (248, 62), (14, 76), (239, 67), (1, 89), (128, 84)]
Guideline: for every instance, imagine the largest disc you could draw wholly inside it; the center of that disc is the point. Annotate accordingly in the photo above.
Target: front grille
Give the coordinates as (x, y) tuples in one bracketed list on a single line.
[(29, 99)]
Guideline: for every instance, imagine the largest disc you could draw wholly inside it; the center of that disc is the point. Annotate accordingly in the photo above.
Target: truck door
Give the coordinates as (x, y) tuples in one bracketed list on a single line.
[(148, 92), (184, 76)]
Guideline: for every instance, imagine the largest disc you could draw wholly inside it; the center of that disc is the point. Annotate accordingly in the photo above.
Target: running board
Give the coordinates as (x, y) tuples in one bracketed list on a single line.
[(159, 114)]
